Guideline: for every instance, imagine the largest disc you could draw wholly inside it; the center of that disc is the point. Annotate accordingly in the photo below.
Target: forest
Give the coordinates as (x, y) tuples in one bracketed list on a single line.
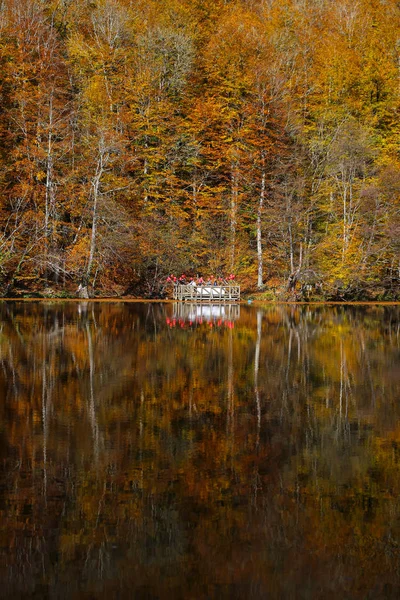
[(141, 138)]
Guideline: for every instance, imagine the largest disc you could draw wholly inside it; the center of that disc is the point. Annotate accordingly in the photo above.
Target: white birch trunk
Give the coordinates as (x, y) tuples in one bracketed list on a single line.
[(95, 195), (233, 213), (259, 233)]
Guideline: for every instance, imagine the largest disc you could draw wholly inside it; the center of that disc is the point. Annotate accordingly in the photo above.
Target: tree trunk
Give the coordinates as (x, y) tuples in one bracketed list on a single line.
[(259, 233), (233, 213), (95, 195)]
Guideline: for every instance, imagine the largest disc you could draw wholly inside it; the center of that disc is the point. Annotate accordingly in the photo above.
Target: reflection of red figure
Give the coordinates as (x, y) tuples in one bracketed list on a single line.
[(198, 321)]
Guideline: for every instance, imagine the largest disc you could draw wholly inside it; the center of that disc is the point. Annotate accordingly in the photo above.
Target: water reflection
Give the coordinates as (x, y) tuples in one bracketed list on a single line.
[(147, 461), (191, 314)]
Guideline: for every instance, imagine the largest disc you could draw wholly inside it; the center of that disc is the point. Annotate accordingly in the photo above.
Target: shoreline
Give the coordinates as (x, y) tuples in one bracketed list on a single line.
[(120, 299)]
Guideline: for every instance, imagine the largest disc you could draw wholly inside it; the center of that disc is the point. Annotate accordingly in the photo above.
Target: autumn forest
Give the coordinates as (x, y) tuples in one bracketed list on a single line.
[(141, 138)]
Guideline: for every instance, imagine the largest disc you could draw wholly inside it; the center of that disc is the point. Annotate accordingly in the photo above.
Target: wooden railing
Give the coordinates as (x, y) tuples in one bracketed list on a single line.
[(206, 293)]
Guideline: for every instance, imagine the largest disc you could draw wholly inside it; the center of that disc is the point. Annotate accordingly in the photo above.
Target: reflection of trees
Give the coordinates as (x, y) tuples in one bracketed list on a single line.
[(157, 457)]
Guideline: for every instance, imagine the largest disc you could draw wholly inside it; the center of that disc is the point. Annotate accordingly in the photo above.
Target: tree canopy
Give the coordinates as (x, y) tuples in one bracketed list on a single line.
[(140, 138)]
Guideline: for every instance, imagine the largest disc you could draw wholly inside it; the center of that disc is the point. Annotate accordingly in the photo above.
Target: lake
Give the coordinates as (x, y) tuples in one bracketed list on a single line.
[(183, 451)]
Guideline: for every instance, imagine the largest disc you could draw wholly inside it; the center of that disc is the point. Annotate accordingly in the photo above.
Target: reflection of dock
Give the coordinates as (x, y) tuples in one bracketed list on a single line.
[(206, 293), (205, 312)]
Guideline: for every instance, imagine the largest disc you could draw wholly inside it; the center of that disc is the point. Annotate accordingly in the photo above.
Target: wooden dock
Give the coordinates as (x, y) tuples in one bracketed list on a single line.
[(206, 293)]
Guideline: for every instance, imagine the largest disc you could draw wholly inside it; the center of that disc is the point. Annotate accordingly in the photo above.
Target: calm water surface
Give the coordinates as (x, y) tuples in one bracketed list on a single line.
[(165, 451)]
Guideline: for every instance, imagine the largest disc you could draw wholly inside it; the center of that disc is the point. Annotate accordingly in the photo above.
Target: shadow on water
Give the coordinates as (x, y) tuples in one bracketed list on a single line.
[(172, 451)]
